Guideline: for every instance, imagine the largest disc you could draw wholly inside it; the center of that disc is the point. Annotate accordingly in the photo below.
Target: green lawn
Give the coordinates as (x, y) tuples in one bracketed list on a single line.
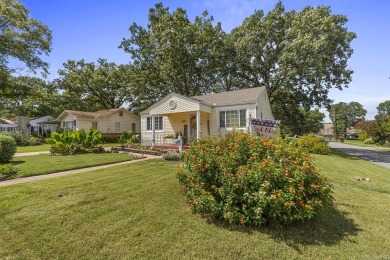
[(44, 163), (360, 143), (34, 148), (46, 148), (135, 211)]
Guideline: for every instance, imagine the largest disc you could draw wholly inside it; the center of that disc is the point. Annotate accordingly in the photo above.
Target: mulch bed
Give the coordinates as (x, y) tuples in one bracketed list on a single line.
[(133, 150)]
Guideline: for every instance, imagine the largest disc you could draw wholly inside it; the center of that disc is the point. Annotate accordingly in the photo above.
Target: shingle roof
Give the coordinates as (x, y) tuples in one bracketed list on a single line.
[(236, 97), (92, 115)]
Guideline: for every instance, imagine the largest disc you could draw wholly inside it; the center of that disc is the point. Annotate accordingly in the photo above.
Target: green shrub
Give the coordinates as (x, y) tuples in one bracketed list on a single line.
[(7, 148), (172, 156), (128, 138), (314, 144), (369, 141), (244, 179), (75, 142), (33, 141), (362, 136), (7, 170), (20, 138)]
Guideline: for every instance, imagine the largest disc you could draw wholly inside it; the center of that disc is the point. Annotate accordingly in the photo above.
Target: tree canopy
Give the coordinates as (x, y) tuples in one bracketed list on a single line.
[(345, 115), (298, 56), (173, 54), (22, 38), (384, 108), (105, 83)]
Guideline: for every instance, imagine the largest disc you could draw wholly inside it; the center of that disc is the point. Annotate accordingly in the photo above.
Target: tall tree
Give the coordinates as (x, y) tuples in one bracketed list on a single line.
[(298, 56), (30, 97), (22, 37), (345, 115), (173, 54), (105, 83), (384, 108)]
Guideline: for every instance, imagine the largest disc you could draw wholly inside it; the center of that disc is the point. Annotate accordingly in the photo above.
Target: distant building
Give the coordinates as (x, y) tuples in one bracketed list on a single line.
[(109, 121), (327, 131)]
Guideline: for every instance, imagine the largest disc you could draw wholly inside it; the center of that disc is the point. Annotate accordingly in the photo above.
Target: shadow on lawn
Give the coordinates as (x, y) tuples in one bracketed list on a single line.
[(328, 228), (17, 162)]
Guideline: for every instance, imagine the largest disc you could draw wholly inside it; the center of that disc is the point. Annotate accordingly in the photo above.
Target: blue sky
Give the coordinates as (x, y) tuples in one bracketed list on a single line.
[(92, 29)]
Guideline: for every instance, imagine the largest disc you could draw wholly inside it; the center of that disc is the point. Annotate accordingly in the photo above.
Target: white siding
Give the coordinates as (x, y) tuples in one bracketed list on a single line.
[(107, 124), (264, 107), (182, 105), (250, 111), (67, 118)]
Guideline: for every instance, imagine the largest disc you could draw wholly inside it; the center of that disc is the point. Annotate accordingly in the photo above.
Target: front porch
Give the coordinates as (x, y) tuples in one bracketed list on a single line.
[(190, 126)]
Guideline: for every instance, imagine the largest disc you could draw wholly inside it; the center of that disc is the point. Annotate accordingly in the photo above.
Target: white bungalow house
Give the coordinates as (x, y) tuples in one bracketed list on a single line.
[(40, 125), (205, 115), (110, 121)]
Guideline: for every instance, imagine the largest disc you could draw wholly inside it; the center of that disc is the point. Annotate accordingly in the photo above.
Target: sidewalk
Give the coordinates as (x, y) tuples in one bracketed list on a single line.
[(30, 153), (65, 173)]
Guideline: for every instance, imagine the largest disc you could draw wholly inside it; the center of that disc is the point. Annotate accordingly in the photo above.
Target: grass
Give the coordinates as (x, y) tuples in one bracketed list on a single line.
[(46, 148), (135, 211), (44, 163), (34, 148), (362, 144)]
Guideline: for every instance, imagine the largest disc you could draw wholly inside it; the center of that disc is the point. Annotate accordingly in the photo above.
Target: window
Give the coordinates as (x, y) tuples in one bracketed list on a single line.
[(94, 125), (69, 125), (232, 118), (133, 127), (158, 123), (117, 126), (120, 113)]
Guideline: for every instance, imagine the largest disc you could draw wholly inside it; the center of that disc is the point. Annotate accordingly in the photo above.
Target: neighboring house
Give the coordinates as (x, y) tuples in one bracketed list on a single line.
[(328, 132), (198, 116), (110, 121), (7, 125), (41, 125)]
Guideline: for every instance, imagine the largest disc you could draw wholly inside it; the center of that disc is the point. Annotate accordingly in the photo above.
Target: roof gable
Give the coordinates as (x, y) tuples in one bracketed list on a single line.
[(162, 107), (92, 115)]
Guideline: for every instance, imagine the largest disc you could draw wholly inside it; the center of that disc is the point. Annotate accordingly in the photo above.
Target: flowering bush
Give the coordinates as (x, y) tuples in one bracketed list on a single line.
[(244, 179), (314, 144)]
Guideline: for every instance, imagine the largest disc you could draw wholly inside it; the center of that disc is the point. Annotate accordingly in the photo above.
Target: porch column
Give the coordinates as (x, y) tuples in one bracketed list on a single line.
[(197, 125), (153, 132)]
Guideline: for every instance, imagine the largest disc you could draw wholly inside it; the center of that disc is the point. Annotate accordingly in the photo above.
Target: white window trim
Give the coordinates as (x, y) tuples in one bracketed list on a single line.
[(119, 126), (220, 109), (157, 131)]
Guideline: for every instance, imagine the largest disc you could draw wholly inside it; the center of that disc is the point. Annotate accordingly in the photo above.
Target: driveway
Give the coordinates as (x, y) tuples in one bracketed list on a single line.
[(367, 153)]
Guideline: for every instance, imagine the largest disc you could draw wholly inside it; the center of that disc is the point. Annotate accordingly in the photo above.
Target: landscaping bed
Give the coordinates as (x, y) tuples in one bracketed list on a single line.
[(140, 151)]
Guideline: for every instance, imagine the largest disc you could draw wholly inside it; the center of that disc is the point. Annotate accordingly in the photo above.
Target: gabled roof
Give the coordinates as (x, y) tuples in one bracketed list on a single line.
[(228, 98), (235, 97), (92, 115), (167, 97)]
